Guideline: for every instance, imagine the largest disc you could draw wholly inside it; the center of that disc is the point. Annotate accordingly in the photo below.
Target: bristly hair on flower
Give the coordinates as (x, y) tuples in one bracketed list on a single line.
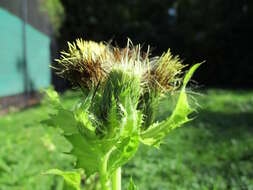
[(83, 63), (87, 64), (165, 73)]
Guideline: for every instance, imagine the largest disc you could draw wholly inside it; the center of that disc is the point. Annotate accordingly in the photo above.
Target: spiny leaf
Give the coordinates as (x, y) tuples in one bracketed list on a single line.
[(124, 151), (128, 142), (157, 131), (72, 179), (112, 120), (68, 124), (87, 153)]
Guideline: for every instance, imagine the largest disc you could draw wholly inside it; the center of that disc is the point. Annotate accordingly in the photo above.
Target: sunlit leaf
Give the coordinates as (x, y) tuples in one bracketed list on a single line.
[(72, 179), (87, 153), (157, 131)]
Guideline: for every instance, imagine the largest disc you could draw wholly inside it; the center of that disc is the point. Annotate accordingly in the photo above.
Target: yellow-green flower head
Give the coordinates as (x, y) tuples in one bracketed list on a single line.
[(88, 64), (165, 72), (84, 63)]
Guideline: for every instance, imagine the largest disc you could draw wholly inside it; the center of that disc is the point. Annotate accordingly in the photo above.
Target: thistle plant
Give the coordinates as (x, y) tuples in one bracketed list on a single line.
[(121, 90)]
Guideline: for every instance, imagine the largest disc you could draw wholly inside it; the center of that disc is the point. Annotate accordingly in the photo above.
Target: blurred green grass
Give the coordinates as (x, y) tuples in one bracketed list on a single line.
[(214, 151)]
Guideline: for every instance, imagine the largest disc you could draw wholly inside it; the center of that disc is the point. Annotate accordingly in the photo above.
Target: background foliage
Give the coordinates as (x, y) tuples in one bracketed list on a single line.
[(217, 31), (55, 12)]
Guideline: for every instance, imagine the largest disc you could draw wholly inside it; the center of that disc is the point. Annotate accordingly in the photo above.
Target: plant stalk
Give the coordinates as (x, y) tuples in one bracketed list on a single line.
[(116, 179), (104, 179)]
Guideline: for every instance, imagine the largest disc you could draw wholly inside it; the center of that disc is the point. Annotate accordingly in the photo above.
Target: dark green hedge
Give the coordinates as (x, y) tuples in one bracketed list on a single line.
[(218, 31)]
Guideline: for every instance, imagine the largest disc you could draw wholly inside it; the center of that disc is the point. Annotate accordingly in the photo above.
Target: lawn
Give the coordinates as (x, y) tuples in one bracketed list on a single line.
[(215, 151)]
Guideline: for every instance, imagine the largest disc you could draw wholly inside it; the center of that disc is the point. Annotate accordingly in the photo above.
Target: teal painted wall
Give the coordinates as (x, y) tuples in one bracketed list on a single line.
[(12, 56)]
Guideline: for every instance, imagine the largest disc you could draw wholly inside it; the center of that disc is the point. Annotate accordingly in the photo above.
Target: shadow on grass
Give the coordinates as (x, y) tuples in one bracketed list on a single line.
[(227, 120), (225, 126)]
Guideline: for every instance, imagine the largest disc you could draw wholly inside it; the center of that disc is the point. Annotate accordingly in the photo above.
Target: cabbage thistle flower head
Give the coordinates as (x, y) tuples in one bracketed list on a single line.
[(87, 64)]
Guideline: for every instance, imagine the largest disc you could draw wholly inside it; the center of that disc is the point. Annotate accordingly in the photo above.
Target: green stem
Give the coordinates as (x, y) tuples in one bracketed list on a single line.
[(104, 180), (116, 179)]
